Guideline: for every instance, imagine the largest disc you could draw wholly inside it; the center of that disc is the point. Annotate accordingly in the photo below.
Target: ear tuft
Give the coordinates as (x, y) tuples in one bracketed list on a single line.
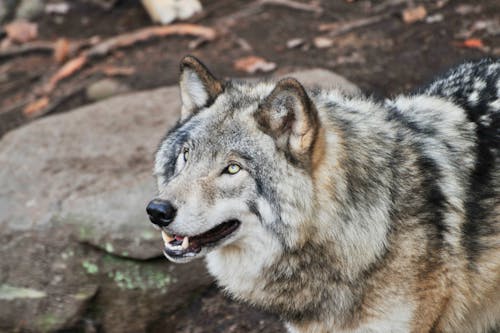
[(199, 88), (290, 117)]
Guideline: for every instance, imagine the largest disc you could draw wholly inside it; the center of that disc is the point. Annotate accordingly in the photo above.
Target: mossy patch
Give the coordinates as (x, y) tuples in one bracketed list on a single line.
[(46, 322), (130, 275), (90, 267), (109, 248), (9, 293), (148, 235)]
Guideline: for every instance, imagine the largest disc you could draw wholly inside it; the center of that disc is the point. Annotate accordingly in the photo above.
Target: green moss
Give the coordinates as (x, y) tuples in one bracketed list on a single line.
[(8, 292), (109, 248), (128, 274), (89, 267), (148, 235), (68, 254), (84, 232), (46, 322)]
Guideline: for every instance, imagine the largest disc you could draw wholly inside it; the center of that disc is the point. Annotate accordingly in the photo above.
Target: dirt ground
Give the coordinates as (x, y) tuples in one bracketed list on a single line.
[(384, 58)]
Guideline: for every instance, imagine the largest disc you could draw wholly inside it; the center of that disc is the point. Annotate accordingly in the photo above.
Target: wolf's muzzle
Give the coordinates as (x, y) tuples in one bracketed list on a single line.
[(161, 212)]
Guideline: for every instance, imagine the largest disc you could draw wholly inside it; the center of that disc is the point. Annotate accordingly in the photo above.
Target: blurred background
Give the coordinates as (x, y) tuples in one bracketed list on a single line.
[(87, 88)]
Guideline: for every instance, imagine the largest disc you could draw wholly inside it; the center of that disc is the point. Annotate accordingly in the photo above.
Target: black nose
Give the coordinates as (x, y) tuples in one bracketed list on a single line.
[(161, 212)]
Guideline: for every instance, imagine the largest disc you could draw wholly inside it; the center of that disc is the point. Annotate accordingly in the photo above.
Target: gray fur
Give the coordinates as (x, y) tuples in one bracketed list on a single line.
[(379, 217)]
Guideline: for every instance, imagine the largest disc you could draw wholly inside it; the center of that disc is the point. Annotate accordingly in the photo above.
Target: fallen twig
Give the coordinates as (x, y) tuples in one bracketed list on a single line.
[(309, 7), (129, 39), (70, 67), (255, 7), (47, 105), (35, 47), (340, 28)]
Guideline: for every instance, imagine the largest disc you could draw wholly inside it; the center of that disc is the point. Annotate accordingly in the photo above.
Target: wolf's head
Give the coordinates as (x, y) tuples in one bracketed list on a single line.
[(236, 168)]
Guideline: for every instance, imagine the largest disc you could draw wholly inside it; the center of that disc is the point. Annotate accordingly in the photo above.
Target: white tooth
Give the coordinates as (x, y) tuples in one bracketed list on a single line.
[(166, 237), (185, 242)]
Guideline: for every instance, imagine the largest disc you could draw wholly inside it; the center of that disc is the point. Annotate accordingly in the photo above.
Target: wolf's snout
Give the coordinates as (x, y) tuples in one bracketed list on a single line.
[(161, 212)]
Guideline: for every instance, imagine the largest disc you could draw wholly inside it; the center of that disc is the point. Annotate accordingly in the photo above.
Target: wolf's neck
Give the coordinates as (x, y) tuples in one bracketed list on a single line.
[(343, 236), (353, 183)]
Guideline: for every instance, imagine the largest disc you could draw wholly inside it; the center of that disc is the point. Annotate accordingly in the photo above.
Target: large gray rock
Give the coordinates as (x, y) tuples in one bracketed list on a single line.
[(90, 168), (105, 88), (49, 283)]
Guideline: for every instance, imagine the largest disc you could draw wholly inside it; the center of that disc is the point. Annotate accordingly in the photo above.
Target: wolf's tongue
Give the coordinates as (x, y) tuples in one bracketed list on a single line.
[(179, 238)]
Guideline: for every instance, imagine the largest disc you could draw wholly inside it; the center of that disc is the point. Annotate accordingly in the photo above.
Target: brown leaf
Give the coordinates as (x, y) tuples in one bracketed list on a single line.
[(252, 64), (33, 108), (414, 14), (61, 50), (472, 43), (21, 31)]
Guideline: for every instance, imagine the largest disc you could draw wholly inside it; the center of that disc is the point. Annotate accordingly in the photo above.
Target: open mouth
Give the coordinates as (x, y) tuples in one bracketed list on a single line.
[(178, 246)]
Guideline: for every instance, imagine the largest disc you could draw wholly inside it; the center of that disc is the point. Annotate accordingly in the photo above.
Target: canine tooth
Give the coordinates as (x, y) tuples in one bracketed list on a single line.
[(166, 237), (185, 242)]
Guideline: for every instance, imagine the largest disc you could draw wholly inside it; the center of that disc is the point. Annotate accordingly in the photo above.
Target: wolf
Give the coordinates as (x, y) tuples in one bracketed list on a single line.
[(340, 213)]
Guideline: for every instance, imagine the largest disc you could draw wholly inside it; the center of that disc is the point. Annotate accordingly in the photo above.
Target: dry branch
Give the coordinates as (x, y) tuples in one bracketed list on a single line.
[(340, 28), (129, 39), (35, 47), (312, 7)]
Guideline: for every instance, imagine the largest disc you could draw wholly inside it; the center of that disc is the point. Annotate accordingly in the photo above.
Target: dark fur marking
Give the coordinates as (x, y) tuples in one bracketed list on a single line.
[(436, 200), (252, 206), (393, 114), (481, 188)]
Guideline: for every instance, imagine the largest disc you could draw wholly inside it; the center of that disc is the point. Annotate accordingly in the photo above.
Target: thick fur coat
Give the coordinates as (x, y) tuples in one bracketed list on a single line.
[(340, 213)]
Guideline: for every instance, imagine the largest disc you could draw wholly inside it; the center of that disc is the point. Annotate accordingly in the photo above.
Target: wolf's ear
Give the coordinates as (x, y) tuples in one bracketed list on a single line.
[(199, 88), (290, 117)]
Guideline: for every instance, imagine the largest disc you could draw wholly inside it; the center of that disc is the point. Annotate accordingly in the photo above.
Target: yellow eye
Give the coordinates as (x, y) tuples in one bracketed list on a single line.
[(233, 168), (186, 154)]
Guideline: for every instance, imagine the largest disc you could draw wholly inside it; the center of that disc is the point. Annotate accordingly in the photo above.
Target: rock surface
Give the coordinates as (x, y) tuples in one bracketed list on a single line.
[(30, 9), (105, 88), (73, 230)]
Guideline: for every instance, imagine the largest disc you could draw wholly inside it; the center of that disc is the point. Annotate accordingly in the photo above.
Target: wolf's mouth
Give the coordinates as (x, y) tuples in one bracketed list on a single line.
[(177, 246)]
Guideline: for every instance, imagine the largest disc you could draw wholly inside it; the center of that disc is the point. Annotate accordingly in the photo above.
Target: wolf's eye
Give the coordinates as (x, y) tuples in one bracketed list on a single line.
[(233, 168), (186, 154)]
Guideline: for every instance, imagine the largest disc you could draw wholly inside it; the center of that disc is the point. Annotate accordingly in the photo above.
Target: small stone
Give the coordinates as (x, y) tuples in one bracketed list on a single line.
[(468, 9), (295, 42), (166, 11), (30, 9), (105, 88), (59, 8), (434, 18), (414, 14), (21, 31), (322, 42)]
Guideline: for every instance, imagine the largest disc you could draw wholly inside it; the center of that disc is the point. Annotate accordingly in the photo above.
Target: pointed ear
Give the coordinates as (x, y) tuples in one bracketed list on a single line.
[(290, 117), (199, 88)]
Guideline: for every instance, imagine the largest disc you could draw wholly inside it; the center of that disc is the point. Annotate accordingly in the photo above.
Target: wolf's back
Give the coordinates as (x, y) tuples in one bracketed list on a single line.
[(475, 86)]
